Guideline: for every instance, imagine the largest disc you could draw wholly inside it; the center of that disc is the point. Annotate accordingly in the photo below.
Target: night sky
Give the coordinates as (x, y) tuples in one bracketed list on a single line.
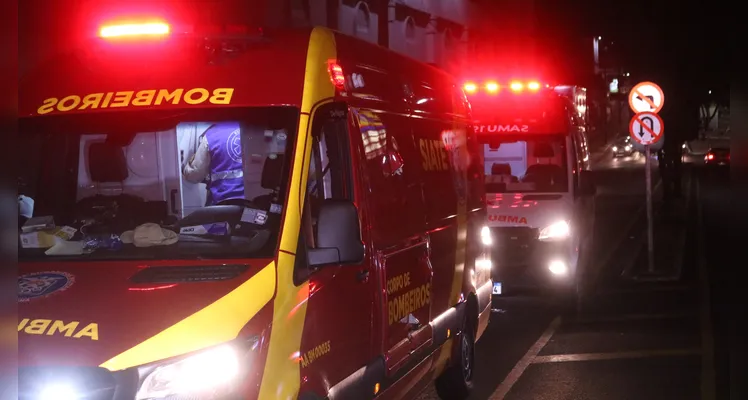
[(680, 44)]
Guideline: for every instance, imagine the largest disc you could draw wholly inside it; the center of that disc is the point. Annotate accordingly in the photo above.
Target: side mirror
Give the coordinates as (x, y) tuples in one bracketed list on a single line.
[(587, 185), (338, 235)]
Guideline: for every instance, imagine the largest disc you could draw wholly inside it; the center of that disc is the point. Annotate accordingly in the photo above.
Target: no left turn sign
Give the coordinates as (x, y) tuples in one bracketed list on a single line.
[(646, 128), (646, 97)]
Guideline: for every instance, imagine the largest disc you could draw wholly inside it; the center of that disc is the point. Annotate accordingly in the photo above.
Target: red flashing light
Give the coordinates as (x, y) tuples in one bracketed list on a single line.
[(470, 87), (492, 87), (130, 30), (516, 86), (336, 74)]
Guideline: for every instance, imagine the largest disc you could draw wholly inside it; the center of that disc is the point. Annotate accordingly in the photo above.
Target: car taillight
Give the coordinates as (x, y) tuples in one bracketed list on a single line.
[(709, 156)]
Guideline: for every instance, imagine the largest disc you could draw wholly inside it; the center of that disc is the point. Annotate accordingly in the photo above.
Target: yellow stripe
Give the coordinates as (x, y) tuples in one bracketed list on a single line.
[(282, 376), (217, 323)]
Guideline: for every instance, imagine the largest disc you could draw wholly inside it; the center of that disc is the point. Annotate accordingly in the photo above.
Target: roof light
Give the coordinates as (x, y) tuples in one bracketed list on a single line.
[(336, 74), (470, 87), (516, 86), (492, 87), (533, 85), (144, 29)]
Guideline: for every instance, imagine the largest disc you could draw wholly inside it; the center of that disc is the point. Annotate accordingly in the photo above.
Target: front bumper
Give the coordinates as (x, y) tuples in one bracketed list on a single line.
[(520, 259)]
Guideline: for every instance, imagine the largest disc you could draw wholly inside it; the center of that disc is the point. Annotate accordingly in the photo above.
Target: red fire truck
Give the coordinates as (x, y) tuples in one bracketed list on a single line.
[(349, 266)]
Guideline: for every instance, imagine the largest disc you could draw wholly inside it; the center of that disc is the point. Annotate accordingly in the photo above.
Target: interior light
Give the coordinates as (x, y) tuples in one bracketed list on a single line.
[(470, 87), (492, 87), (533, 85), (516, 86), (145, 29), (336, 74)]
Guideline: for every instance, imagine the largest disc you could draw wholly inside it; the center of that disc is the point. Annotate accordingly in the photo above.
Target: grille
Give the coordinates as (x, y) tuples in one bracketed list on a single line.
[(513, 245)]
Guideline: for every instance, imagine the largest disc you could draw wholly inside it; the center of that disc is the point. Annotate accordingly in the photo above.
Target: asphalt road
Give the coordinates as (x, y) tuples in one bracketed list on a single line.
[(641, 334)]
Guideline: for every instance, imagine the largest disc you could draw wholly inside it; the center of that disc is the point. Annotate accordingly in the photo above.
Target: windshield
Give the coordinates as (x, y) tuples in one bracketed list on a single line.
[(527, 164), (207, 184)]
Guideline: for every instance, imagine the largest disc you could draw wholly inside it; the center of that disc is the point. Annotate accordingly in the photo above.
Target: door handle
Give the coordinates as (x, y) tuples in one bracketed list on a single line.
[(363, 275)]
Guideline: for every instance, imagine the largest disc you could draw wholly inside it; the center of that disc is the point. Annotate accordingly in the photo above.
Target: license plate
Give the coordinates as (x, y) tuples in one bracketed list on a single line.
[(497, 288)]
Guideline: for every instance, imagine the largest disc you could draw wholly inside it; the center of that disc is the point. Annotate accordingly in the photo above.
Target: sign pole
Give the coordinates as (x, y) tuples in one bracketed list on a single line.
[(650, 227), (646, 128)]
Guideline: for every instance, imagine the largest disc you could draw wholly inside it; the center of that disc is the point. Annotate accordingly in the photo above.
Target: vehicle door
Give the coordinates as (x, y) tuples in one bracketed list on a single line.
[(395, 205), (337, 337)]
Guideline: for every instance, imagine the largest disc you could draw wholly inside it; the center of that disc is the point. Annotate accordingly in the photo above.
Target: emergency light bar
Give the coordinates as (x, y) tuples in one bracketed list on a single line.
[(130, 30), (493, 87)]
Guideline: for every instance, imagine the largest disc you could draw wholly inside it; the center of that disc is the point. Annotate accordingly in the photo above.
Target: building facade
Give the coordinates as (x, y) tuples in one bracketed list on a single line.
[(431, 31)]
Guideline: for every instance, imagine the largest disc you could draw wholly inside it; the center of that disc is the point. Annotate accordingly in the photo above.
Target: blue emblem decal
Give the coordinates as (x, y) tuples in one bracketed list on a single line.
[(42, 284), (234, 146)]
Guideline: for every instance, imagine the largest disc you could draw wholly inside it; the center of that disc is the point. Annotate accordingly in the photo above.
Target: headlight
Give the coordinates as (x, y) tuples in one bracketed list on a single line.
[(683, 146), (615, 148), (558, 230), (207, 373), (628, 147), (58, 392), (485, 236)]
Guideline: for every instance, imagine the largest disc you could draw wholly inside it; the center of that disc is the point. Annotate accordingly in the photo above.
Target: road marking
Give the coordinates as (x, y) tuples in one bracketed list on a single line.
[(525, 361), (621, 355), (636, 317), (708, 387)]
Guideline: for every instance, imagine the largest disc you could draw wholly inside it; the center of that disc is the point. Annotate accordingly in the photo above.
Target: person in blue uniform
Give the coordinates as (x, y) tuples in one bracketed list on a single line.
[(218, 163)]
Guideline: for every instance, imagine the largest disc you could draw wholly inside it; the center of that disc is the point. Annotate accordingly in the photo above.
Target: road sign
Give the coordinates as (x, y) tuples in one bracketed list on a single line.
[(654, 147), (646, 97), (646, 128)]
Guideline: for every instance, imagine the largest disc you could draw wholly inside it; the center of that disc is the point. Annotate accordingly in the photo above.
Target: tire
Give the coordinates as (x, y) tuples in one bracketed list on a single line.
[(456, 382)]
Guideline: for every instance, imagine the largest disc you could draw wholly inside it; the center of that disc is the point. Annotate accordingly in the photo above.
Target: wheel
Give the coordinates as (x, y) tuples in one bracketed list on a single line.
[(456, 382)]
